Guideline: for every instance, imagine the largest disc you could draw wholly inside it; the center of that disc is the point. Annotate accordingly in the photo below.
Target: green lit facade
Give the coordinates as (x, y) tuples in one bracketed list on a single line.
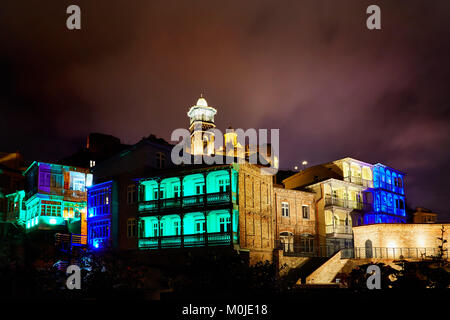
[(189, 208)]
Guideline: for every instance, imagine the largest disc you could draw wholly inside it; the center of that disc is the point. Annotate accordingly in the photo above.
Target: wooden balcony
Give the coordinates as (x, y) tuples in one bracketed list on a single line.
[(187, 240), (344, 203), (185, 203)]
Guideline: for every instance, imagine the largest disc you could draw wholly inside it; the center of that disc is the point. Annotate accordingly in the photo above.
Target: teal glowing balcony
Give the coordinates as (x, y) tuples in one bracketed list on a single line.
[(185, 203), (208, 189), (192, 229), (188, 240)]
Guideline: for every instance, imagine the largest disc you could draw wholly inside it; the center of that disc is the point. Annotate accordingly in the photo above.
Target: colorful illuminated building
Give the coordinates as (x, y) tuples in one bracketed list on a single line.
[(100, 215), (217, 205), (56, 198), (349, 192)]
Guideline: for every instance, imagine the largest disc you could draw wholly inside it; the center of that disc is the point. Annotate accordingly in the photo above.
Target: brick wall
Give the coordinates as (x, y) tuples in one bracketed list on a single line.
[(256, 221)]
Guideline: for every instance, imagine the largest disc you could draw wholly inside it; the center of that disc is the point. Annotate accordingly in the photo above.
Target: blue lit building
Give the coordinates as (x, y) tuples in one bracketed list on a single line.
[(102, 204), (387, 197)]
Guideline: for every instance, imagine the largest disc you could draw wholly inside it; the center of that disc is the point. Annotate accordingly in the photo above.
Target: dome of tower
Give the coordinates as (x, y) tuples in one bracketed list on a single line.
[(202, 102)]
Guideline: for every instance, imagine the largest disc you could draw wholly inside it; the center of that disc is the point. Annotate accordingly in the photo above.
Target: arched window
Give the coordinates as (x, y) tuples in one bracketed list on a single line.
[(388, 180), (287, 241), (368, 247)]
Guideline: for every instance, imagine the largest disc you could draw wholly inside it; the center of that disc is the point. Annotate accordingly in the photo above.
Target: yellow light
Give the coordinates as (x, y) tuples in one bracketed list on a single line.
[(391, 244)]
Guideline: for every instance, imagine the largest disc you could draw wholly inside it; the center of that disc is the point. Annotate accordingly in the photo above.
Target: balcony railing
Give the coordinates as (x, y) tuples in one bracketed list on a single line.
[(185, 202), (393, 253), (338, 229), (344, 203), (359, 181), (187, 240), (312, 250)]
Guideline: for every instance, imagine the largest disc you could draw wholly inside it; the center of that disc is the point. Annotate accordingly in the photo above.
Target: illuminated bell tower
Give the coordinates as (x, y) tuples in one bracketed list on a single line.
[(201, 119)]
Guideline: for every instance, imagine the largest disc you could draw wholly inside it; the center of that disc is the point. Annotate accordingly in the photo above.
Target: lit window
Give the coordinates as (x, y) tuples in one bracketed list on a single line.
[(225, 224), (200, 226), (200, 188), (285, 209), (155, 229), (92, 163), (176, 191), (176, 227), (224, 185)]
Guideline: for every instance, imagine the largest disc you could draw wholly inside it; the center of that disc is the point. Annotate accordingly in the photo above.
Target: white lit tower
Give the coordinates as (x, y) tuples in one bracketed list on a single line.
[(201, 119)]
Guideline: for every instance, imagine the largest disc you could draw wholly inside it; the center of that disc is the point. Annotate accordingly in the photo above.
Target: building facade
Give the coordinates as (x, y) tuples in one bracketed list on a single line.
[(295, 220), (348, 193), (222, 205), (424, 215), (55, 198)]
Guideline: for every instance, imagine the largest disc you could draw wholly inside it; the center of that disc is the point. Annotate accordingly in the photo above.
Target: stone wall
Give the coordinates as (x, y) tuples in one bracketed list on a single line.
[(400, 235), (285, 264)]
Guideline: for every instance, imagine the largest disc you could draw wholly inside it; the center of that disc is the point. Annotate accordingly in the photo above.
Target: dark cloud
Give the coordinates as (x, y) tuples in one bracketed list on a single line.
[(310, 68)]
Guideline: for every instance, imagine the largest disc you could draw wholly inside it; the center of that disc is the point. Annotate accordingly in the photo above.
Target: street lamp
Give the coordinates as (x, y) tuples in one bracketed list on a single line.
[(304, 164)]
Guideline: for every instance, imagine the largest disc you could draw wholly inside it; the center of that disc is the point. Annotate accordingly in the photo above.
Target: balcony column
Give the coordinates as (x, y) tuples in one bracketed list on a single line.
[(206, 188), (231, 182), (347, 198), (159, 193), (231, 225), (159, 232), (182, 229), (181, 186), (205, 213)]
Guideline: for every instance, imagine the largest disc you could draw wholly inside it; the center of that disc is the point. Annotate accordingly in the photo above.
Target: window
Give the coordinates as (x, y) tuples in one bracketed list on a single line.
[(91, 163), (200, 226), (56, 181), (176, 191), (200, 188), (131, 228), (160, 160), (224, 185), (131, 194), (78, 184), (50, 210), (44, 179), (99, 229), (177, 228), (305, 212), (285, 209), (225, 224), (155, 229)]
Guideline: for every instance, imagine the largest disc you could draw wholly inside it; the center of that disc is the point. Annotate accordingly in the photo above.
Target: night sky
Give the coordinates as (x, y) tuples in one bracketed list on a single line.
[(309, 68)]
